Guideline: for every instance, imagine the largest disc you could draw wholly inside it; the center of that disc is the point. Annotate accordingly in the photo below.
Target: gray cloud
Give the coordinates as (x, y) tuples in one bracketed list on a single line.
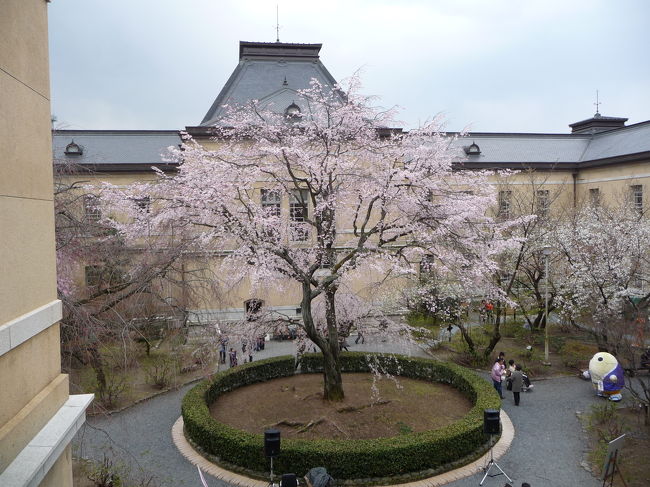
[(493, 66)]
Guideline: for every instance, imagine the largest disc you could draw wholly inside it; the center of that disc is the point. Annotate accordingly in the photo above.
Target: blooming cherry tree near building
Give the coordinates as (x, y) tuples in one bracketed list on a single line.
[(603, 281), (362, 199)]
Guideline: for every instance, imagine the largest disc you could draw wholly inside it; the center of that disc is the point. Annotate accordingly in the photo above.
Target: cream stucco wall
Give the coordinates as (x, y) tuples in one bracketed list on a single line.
[(566, 189), (32, 388), (614, 181)]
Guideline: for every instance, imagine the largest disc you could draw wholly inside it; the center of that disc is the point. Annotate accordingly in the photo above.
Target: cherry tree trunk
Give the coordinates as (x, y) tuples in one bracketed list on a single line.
[(332, 381), (327, 341)]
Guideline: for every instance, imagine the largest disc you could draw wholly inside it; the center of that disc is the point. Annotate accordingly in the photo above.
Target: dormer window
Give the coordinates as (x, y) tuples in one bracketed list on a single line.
[(73, 149), (473, 150), (293, 112)]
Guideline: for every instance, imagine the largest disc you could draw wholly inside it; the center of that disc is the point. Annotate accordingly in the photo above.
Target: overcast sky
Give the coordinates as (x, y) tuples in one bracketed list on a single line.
[(495, 66)]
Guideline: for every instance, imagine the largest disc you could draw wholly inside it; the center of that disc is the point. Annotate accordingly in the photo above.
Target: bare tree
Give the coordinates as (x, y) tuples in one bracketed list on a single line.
[(109, 290)]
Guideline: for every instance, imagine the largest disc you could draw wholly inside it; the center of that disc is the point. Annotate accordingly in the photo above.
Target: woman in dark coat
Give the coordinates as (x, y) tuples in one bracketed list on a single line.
[(517, 383)]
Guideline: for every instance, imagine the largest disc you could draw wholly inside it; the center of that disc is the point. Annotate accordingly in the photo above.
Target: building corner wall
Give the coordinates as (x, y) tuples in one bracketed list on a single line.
[(35, 399)]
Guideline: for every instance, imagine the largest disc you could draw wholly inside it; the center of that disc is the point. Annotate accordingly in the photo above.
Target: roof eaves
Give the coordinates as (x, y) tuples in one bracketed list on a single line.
[(113, 132)]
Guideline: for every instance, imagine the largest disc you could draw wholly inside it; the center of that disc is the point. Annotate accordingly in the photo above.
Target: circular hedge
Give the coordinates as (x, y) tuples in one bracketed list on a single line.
[(349, 459)]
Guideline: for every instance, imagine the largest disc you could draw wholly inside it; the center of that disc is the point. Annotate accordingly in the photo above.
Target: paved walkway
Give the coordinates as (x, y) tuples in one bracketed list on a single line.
[(546, 451)]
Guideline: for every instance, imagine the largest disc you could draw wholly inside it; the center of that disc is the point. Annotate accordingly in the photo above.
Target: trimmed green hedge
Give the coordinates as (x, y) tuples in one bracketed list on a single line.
[(351, 459)]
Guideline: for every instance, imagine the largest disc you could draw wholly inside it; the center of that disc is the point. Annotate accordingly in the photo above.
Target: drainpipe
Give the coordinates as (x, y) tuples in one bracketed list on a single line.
[(574, 174)]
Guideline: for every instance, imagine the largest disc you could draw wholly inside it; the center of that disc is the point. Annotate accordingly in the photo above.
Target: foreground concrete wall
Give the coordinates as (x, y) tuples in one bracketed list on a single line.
[(36, 415)]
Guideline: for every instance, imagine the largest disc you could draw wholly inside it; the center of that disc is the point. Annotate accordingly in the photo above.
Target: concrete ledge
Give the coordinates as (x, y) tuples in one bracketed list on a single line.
[(35, 460), (30, 324), (477, 466), (25, 424)]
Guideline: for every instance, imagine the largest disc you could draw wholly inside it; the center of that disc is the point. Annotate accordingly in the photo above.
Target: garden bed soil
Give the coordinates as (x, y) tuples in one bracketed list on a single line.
[(137, 389), (531, 361), (294, 405), (634, 454)]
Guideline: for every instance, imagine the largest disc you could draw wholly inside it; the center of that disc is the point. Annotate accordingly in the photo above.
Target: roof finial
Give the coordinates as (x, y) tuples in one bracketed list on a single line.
[(597, 103), (277, 23), (285, 82)]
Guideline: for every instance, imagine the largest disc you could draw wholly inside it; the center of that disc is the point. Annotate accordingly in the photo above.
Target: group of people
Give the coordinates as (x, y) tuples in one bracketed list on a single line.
[(486, 311), (246, 349), (511, 374)]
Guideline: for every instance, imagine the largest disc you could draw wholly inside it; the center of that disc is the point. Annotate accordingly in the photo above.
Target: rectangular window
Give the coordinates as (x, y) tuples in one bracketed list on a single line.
[(594, 196), (144, 203), (298, 215), (271, 200), (91, 208), (328, 259), (427, 267), (505, 199), (543, 202), (93, 275), (252, 308), (637, 197)]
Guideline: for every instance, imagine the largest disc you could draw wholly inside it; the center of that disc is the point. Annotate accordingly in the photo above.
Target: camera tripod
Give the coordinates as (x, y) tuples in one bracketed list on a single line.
[(491, 463)]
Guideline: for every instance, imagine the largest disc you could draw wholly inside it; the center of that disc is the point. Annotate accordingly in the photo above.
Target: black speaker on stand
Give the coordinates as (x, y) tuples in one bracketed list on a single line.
[(492, 426), (271, 447), (491, 421)]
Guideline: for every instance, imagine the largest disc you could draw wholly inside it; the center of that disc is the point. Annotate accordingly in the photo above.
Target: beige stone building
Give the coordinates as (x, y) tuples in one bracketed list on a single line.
[(600, 160), (38, 417)]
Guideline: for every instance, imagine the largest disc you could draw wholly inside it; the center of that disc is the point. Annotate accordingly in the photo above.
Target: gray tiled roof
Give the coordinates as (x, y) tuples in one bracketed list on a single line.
[(526, 148), (115, 147), (557, 148), (256, 77), (273, 72), (629, 140)]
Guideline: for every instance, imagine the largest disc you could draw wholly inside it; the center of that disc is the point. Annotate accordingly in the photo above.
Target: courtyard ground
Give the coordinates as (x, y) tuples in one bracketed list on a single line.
[(548, 448)]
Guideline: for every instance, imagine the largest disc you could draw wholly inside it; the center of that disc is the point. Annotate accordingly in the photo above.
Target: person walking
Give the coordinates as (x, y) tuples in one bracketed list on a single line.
[(517, 378), (233, 357), (223, 343), (359, 337), (496, 375), (489, 308)]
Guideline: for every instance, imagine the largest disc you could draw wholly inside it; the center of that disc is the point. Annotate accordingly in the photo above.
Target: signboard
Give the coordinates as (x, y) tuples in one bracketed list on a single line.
[(613, 456)]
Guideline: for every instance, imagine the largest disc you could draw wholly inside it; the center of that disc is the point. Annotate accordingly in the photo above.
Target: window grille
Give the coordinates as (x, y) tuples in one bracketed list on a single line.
[(505, 203), (298, 214)]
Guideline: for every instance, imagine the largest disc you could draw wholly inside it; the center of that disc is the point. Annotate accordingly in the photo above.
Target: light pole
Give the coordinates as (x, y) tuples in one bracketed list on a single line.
[(546, 251)]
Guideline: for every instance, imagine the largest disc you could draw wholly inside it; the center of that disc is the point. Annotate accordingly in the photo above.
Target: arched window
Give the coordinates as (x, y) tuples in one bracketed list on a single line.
[(293, 112), (473, 150), (252, 307), (73, 149)]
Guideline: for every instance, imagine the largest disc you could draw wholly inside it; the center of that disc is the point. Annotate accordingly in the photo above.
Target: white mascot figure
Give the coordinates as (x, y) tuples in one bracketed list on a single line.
[(607, 376)]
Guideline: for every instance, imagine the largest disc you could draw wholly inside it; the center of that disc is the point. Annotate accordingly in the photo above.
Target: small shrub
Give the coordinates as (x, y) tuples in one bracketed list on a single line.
[(117, 385), (605, 422), (104, 473), (511, 329), (419, 320), (602, 414), (556, 343), (160, 369), (404, 429), (575, 353), (528, 355), (120, 356), (113, 472)]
